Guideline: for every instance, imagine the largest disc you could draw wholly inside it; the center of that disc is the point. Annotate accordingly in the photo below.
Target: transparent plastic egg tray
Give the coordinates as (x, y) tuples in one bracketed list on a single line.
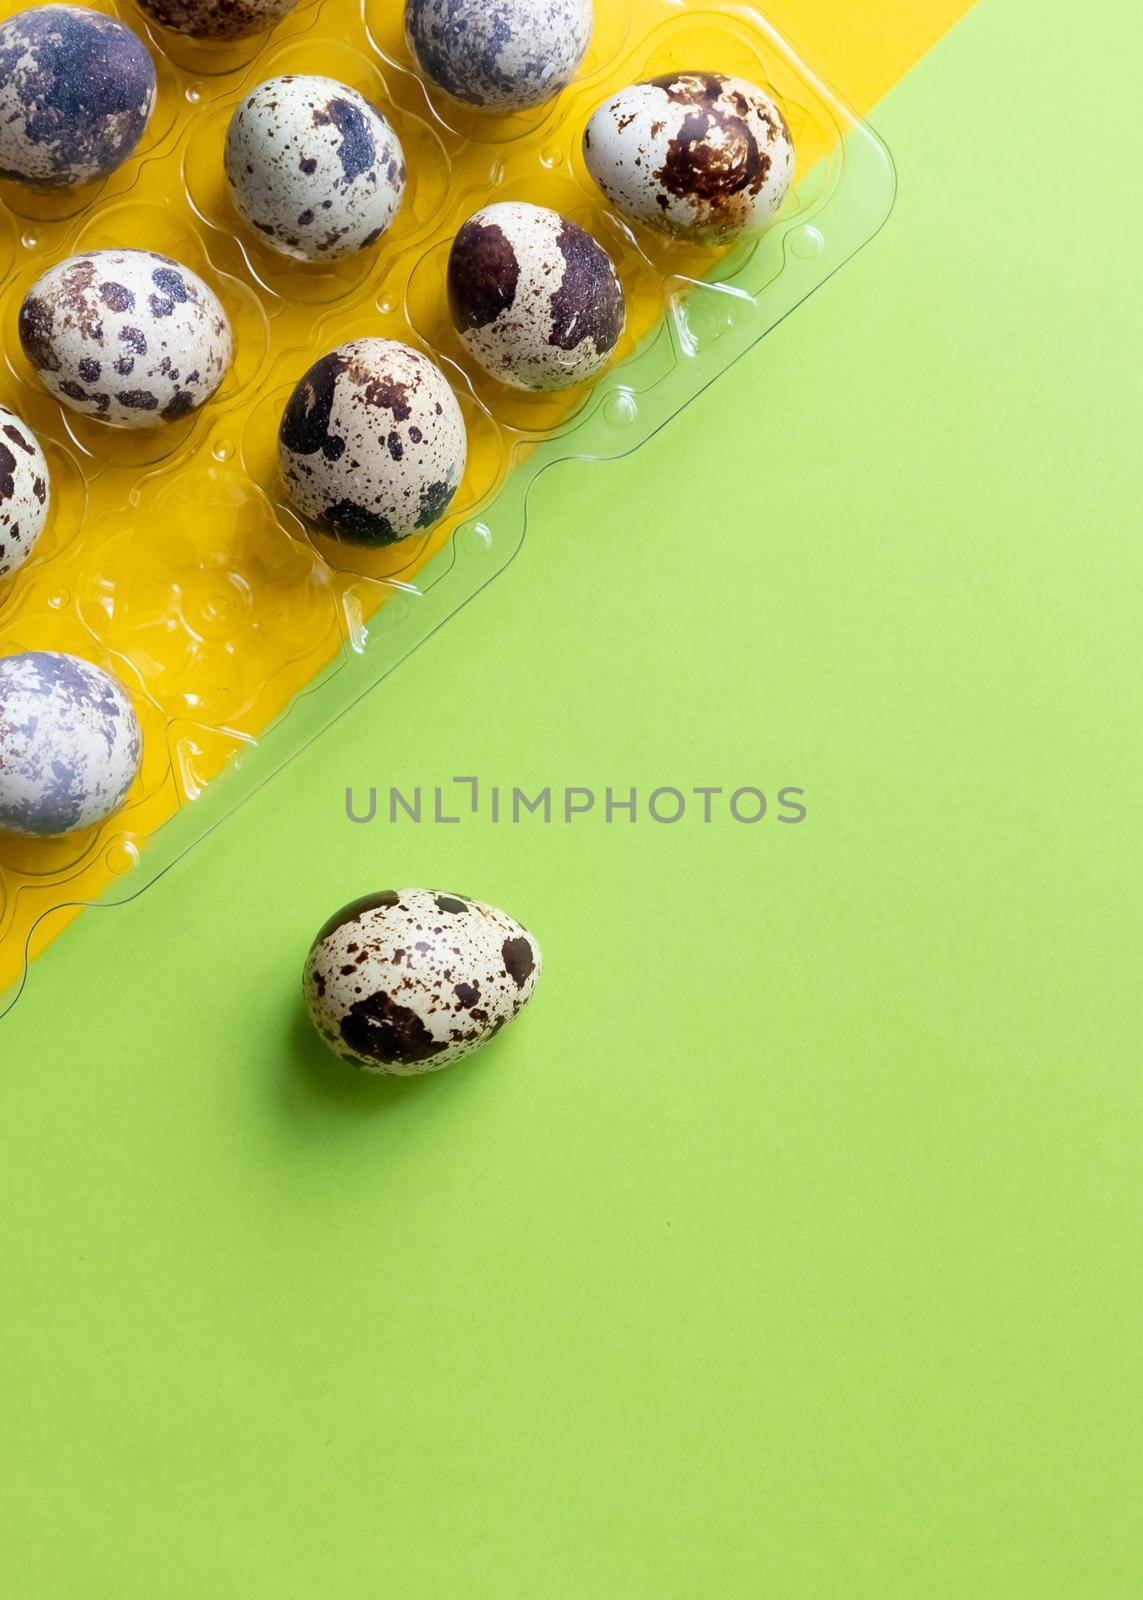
[(171, 556)]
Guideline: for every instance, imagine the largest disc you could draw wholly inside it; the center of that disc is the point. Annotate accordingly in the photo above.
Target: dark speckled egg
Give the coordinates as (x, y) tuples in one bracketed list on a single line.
[(694, 154), (534, 297), (313, 167), (217, 19), (372, 443), (25, 491), (70, 744), (408, 980), (76, 92), (128, 336), (499, 55)]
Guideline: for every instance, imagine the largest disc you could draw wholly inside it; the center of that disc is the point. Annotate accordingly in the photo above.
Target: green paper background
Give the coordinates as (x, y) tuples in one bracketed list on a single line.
[(789, 1245)]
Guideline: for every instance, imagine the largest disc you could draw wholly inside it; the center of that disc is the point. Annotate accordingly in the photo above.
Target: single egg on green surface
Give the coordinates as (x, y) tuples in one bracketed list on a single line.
[(407, 981)]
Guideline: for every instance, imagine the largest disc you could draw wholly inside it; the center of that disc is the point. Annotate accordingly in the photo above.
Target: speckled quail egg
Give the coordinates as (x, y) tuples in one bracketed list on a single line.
[(693, 153), (535, 299), (313, 167), (408, 980), (499, 55), (24, 491), (76, 92), (217, 19), (372, 443), (70, 744), (128, 336)]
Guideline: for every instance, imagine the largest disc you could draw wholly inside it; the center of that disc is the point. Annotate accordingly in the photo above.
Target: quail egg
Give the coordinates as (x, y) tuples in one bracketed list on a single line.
[(70, 744), (408, 980), (372, 443), (313, 167), (24, 491), (534, 298), (499, 55), (217, 19), (128, 336), (76, 92), (694, 154)]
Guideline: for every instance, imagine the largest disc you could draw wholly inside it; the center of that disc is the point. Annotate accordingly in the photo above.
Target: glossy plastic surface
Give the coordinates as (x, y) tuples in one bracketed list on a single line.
[(171, 556)]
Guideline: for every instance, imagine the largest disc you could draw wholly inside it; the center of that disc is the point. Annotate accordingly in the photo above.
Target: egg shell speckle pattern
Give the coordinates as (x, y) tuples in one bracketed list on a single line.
[(76, 92), (128, 336), (313, 167), (534, 298), (694, 154), (70, 744), (372, 443), (500, 55), (25, 490), (408, 980), (217, 19)]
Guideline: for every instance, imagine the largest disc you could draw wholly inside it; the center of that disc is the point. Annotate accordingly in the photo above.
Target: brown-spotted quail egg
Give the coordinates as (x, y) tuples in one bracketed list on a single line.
[(694, 154), (534, 298), (128, 336), (217, 19), (24, 491), (408, 980), (76, 93), (70, 743), (372, 443), (313, 167), (499, 55)]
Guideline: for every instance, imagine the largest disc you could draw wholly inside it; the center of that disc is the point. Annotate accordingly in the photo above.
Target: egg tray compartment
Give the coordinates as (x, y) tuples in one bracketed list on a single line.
[(171, 556)]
